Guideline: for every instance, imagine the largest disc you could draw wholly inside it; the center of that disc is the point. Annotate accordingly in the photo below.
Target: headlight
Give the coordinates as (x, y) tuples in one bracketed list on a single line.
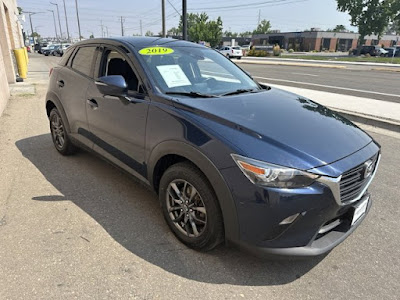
[(267, 174)]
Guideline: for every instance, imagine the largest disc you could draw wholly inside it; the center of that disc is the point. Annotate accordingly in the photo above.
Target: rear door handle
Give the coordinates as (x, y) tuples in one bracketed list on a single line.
[(92, 103), (61, 83)]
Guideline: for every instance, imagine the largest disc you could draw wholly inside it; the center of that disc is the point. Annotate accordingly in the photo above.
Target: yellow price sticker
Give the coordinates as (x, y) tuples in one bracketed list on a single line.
[(156, 51)]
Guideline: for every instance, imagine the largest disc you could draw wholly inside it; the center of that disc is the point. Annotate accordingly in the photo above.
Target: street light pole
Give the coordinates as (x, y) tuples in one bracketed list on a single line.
[(55, 25), (77, 16), (184, 19), (59, 21), (66, 21)]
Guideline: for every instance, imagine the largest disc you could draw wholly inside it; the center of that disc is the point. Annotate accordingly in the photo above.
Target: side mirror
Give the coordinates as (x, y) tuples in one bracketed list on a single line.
[(112, 85)]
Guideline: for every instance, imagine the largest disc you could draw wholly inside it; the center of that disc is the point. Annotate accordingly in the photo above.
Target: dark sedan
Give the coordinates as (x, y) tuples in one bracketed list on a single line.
[(230, 159)]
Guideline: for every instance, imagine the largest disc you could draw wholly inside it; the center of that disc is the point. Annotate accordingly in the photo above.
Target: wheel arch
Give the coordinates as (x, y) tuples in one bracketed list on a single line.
[(183, 151), (53, 101)]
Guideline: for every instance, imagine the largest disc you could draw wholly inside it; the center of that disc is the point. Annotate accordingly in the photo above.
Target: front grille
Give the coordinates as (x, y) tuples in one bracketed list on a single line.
[(353, 181)]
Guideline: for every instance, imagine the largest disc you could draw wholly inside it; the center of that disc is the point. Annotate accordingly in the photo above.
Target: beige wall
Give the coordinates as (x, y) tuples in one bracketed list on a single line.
[(10, 38)]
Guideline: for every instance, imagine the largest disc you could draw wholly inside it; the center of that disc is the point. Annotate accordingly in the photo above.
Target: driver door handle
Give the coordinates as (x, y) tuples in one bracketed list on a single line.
[(92, 103), (61, 83)]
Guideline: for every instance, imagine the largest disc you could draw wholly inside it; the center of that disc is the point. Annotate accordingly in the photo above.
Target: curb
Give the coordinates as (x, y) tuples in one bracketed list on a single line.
[(369, 120), (290, 64), (386, 69), (22, 88)]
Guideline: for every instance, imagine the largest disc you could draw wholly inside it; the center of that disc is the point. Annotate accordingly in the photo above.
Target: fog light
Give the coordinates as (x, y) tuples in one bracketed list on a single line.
[(289, 220)]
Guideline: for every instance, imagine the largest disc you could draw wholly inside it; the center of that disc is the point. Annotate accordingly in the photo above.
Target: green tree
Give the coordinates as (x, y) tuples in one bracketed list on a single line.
[(370, 16), (263, 27), (19, 10), (231, 34), (200, 28), (214, 34), (394, 27), (91, 36), (149, 33), (245, 34), (339, 28), (174, 31), (35, 34)]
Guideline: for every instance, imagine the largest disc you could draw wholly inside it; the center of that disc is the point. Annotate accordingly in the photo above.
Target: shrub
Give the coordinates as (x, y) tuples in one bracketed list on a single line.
[(276, 50), (291, 50), (258, 53)]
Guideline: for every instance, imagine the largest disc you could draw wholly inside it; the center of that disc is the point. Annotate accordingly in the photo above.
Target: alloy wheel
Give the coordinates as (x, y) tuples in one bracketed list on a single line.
[(57, 130), (186, 208)]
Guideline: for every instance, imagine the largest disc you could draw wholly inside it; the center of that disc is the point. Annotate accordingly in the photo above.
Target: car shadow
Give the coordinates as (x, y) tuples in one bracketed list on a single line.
[(131, 215)]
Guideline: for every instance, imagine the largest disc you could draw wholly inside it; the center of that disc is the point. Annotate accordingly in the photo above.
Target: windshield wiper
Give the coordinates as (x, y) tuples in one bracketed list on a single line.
[(240, 91), (192, 94)]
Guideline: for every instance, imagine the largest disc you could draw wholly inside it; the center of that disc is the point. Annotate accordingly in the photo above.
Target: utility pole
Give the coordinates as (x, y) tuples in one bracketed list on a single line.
[(30, 19), (106, 30), (102, 30), (59, 21), (259, 17), (184, 19), (163, 17), (141, 28), (55, 24), (66, 21), (77, 16), (122, 26)]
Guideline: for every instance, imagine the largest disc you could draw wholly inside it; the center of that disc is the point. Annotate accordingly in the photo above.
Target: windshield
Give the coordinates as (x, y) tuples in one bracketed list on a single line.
[(236, 48), (195, 70)]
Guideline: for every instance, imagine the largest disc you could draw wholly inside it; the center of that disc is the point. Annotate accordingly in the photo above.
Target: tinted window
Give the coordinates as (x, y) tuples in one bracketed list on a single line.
[(66, 57), (82, 61), (115, 64)]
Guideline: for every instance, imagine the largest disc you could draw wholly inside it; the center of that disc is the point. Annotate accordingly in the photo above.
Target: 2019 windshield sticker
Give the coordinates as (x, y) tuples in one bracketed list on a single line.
[(156, 51)]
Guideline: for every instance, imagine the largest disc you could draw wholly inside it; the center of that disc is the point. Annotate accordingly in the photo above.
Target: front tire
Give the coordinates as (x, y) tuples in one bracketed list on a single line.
[(190, 207), (59, 135)]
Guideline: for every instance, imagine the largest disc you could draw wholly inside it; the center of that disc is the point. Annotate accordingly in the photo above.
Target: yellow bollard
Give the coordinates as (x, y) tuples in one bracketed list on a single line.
[(21, 62), (26, 56)]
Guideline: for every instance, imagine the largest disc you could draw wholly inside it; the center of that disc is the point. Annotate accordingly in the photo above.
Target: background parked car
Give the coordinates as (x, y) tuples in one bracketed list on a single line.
[(381, 51), (230, 52), (60, 50), (41, 47), (395, 49), (50, 50), (364, 50)]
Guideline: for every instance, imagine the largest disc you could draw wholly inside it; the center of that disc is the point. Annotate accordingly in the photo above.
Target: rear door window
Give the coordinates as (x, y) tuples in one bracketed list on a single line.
[(83, 59)]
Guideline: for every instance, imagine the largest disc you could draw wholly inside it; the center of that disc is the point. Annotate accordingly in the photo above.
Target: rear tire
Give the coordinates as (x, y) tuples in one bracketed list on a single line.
[(190, 207), (59, 134)]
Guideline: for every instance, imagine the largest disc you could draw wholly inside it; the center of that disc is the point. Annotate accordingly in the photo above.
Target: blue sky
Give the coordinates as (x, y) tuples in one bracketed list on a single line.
[(237, 15)]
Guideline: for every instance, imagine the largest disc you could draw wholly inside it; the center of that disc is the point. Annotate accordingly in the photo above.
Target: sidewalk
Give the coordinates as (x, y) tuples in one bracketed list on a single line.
[(368, 111)]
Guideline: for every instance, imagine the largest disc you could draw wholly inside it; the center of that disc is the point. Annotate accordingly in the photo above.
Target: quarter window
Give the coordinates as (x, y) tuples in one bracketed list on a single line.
[(82, 61)]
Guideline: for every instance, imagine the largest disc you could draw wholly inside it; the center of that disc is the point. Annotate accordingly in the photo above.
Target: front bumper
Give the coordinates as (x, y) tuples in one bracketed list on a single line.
[(321, 224), (321, 243)]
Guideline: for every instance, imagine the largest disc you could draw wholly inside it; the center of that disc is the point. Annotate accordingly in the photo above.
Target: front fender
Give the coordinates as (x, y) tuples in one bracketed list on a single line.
[(215, 178)]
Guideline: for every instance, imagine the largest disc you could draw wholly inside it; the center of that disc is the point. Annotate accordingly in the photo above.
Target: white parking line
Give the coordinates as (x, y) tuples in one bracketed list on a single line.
[(305, 74), (329, 86)]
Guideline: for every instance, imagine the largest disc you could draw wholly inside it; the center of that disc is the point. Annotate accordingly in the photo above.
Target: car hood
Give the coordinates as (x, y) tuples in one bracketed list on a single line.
[(309, 135)]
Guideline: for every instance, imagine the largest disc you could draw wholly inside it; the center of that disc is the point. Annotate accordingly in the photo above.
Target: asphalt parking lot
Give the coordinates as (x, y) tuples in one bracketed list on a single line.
[(77, 227)]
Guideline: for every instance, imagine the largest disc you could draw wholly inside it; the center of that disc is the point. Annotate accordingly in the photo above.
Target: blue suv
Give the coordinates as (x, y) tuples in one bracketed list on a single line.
[(231, 160)]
